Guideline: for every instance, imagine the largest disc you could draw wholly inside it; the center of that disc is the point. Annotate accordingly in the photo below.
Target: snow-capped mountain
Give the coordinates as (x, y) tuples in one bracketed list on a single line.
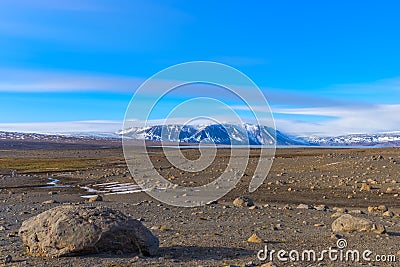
[(225, 134), (380, 139), (218, 134)]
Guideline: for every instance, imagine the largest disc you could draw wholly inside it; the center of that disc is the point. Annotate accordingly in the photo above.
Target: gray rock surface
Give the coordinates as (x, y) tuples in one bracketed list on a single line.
[(70, 230), (348, 223), (243, 201)]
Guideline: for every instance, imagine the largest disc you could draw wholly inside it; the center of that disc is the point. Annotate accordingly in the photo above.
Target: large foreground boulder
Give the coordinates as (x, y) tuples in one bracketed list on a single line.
[(71, 230)]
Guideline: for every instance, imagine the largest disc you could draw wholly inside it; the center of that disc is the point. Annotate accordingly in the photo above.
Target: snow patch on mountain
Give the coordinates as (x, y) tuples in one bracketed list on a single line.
[(379, 139), (223, 134)]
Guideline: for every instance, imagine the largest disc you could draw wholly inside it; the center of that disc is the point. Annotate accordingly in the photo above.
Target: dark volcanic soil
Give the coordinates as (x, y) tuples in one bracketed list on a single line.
[(213, 235)]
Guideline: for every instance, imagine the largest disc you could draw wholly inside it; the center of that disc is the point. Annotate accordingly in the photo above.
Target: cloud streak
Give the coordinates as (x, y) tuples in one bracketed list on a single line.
[(63, 127), (53, 81), (341, 116), (347, 120)]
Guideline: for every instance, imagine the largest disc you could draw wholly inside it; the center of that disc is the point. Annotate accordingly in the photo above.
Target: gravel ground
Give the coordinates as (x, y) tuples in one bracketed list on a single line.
[(216, 234)]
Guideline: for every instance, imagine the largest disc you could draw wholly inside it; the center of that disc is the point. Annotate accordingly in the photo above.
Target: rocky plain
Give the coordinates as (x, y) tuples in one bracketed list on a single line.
[(311, 199)]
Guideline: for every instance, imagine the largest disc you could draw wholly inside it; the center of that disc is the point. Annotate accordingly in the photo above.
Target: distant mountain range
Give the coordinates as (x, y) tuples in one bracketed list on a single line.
[(215, 133), (380, 139), (225, 134), (257, 135)]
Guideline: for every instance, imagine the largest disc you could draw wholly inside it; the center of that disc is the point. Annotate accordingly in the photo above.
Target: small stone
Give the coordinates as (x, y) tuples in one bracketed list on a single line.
[(135, 259), (378, 228), (8, 259), (50, 201), (336, 236), (243, 201), (303, 206), (321, 207), (95, 198), (254, 238), (319, 225), (253, 207), (52, 193), (163, 228), (388, 214), (365, 187), (381, 208)]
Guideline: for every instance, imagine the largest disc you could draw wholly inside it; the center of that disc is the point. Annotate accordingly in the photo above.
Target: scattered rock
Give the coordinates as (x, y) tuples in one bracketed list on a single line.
[(52, 193), (365, 187), (389, 190), (381, 208), (321, 207), (348, 223), (70, 230), (254, 238), (95, 198), (163, 228), (378, 228), (388, 214), (8, 259), (243, 201), (304, 206), (50, 201), (336, 236)]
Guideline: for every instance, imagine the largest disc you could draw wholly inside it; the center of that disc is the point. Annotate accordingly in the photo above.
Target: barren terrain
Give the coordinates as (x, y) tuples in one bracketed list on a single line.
[(348, 180)]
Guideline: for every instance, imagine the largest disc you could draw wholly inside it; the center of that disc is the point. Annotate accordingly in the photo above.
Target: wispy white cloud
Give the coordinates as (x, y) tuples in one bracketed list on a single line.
[(17, 80), (63, 127), (375, 87), (347, 120), (355, 116), (91, 25)]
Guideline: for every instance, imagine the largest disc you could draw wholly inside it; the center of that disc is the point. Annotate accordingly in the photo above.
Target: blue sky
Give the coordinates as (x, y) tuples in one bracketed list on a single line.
[(326, 67)]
